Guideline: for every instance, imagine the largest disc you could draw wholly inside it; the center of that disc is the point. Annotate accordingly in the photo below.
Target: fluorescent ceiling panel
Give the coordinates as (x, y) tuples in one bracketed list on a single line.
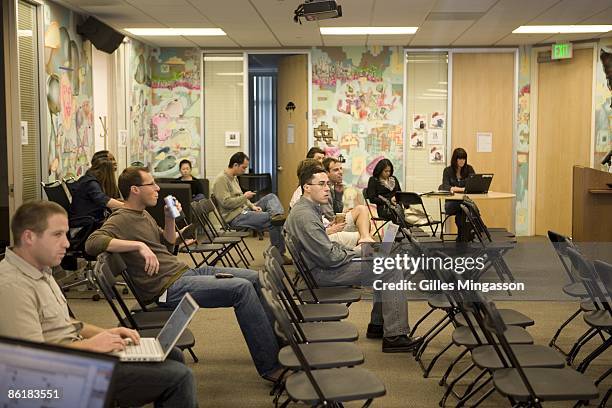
[(173, 32), (562, 29), (368, 30)]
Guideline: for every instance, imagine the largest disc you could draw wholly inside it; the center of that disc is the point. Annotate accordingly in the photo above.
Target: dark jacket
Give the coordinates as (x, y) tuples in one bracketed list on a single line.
[(88, 199), (449, 178), (196, 187), (375, 189)]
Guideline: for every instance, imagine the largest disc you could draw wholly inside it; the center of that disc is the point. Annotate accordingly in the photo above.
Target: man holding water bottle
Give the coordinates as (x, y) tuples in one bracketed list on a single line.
[(161, 277)]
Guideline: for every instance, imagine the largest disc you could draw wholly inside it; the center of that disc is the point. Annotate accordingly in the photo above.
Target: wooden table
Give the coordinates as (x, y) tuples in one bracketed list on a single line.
[(494, 213)]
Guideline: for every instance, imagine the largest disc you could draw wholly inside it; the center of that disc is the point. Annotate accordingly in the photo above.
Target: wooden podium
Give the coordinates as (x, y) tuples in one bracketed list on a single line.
[(591, 205)]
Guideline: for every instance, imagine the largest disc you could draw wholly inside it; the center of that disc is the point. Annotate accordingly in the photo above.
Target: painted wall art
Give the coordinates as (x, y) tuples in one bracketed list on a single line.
[(358, 92), (68, 87), (522, 146), (603, 101)]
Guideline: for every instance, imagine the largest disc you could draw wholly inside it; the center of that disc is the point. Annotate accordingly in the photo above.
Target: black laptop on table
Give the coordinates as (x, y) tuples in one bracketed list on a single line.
[(478, 183)]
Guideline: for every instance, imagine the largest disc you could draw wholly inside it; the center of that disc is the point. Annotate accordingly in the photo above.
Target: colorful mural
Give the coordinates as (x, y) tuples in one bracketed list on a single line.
[(140, 103), (522, 146), (358, 93), (603, 109), (69, 94), (175, 110)]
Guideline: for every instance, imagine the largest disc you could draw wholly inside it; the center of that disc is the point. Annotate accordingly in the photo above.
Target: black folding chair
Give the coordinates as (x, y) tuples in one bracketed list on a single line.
[(325, 386), (407, 199), (376, 219), (147, 323)]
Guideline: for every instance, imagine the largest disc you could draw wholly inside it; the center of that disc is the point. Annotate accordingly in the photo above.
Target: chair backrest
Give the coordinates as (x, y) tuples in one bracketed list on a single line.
[(201, 216), (300, 263), (561, 243), (589, 277), (282, 274), (604, 270), (407, 198), (107, 283), (285, 326), (118, 267), (56, 192)]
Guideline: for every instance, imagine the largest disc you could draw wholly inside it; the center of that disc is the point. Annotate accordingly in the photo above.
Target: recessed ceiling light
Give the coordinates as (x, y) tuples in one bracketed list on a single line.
[(368, 30), (172, 32), (562, 29)]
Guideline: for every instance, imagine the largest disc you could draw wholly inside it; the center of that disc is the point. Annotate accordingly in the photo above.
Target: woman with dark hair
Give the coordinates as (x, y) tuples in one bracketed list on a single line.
[(95, 192), (453, 180), (103, 155), (383, 183), (197, 192)]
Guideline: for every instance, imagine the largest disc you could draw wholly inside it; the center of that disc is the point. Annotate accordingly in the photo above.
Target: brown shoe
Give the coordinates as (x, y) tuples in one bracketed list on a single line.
[(287, 260), (278, 219)]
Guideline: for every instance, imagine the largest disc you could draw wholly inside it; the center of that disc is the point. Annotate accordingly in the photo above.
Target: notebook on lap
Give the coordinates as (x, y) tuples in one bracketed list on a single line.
[(158, 348)]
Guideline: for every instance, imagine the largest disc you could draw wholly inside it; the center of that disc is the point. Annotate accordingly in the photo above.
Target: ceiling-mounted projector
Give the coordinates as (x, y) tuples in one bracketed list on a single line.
[(317, 10)]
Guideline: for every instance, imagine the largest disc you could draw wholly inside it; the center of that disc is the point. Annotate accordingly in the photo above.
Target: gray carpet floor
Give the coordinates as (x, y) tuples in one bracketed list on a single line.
[(226, 376)]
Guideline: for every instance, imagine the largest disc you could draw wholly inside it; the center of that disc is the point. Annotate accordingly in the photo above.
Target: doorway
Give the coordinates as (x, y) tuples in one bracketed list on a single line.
[(278, 117), (563, 136)]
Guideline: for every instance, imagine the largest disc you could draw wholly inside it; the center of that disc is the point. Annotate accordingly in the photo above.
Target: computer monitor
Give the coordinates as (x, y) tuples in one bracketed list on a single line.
[(478, 183), (56, 376)]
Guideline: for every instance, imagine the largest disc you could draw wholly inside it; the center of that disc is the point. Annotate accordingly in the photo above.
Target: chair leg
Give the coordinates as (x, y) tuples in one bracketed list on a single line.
[(565, 323), (420, 321), (474, 391), (579, 343), (604, 401), (450, 368), (603, 376), (433, 361), (193, 356), (449, 390), (421, 350), (593, 355)]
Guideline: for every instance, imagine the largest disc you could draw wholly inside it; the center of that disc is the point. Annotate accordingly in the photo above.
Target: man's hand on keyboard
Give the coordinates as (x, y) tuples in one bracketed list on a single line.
[(131, 336)]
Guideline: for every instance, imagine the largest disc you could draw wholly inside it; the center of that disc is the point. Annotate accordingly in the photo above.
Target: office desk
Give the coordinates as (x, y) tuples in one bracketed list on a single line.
[(496, 208)]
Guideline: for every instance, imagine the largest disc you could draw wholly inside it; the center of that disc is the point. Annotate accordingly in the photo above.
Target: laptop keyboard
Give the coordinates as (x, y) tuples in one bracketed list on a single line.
[(147, 347)]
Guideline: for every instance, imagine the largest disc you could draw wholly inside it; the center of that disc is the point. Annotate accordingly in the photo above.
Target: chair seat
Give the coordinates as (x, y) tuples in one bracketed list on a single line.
[(438, 301), (322, 355), (462, 336), (587, 306), (575, 289), (337, 384), (150, 320), (549, 384), (332, 295), (239, 234), (323, 312), (528, 355), (510, 317), (599, 319), (201, 248), (226, 240), (185, 341), (329, 331)]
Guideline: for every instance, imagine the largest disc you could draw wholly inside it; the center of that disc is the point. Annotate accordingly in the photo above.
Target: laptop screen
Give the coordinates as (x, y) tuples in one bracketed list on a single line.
[(177, 322), (68, 377)]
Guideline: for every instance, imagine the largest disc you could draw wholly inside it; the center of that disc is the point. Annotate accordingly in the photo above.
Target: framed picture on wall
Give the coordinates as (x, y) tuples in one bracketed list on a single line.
[(417, 139), (419, 121), (436, 154), (232, 138), (437, 120), (435, 137)]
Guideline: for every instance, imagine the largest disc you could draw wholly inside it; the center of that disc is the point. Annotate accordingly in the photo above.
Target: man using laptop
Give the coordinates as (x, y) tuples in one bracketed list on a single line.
[(162, 277), (333, 264), (34, 308)]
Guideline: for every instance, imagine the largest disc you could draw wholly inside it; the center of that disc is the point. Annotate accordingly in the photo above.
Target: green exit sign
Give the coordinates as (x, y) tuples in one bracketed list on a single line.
[(562, 51)]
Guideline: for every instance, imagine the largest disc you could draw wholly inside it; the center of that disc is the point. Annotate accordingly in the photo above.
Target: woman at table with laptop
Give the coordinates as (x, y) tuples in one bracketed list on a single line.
[(453, 180)]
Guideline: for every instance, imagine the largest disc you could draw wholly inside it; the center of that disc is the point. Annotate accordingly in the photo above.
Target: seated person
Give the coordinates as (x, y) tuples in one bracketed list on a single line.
[(34, 309), (316, 153), (237, 209), (335, 229), (197, 192), (95, 192), (162, 277), (330, 263), (383, 183), (453, 180), (104, 154), (356, 219)]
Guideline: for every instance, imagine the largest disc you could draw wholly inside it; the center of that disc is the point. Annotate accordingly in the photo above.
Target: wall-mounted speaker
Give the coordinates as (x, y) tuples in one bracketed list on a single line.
[(102, 36)]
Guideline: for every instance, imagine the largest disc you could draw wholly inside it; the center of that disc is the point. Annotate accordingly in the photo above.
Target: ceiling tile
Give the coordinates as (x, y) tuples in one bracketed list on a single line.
[(433, 33), (401, 40), (463, 6), (340, 40), (570, 12), (524, 39), (400, 13), (603, 17)]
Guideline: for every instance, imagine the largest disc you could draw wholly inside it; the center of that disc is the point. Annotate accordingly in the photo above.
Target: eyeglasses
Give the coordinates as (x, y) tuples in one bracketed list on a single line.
[(322, 184), (147, 184)]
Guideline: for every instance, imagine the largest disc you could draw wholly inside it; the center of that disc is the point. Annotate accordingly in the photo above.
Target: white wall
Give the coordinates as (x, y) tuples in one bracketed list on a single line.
[(100, 67)]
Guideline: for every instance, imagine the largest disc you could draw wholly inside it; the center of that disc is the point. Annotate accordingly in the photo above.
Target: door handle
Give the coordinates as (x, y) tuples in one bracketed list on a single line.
[(279, 168)]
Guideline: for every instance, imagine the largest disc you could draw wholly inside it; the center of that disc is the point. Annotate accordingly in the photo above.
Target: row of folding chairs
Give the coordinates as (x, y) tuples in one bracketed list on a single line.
[(210, 237), (147, 320), (320, 359)]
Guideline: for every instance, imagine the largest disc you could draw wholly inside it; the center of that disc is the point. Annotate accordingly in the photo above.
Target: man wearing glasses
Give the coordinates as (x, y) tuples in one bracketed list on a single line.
[(163, 278), (333, 264)]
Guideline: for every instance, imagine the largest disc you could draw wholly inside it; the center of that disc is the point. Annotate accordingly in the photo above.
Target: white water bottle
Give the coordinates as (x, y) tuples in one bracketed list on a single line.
[(169, 200)]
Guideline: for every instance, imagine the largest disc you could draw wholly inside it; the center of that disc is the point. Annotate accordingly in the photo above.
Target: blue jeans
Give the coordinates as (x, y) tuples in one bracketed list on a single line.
[(261, 220), (166, 384), (243, 293)]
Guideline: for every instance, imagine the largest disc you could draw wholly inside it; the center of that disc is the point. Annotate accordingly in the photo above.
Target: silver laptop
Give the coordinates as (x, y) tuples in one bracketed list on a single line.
[(158, 348), (379, 249)]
